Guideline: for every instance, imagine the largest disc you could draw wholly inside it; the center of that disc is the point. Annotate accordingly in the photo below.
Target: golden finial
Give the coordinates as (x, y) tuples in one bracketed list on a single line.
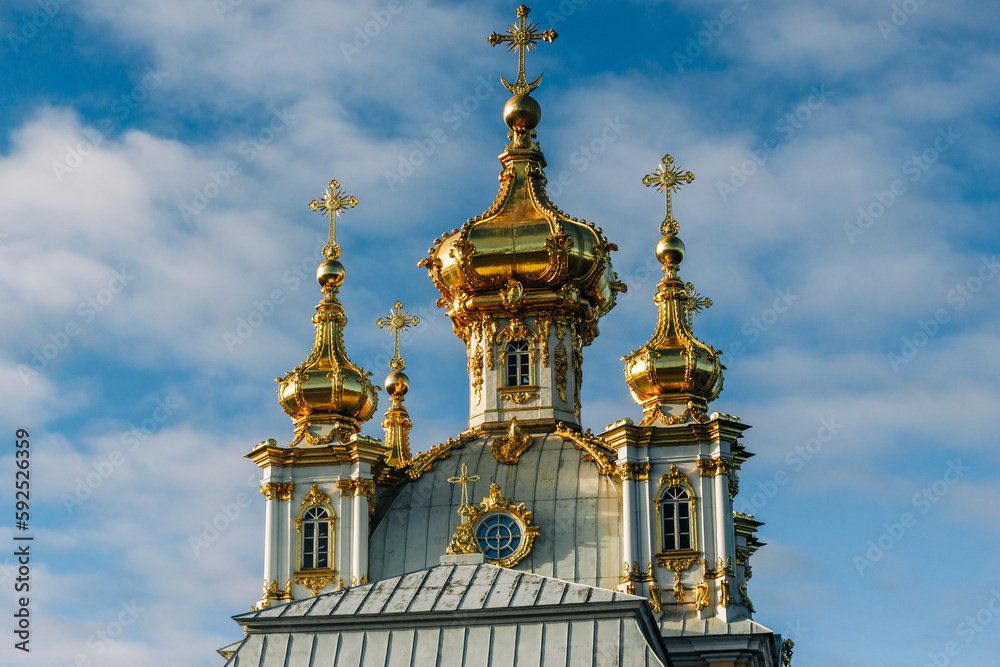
[(667, 178), (333, 203), (396, 321), (522, 37), (464, 480)]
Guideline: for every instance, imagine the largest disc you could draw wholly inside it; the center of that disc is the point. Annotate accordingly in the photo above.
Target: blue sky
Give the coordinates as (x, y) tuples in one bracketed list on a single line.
[(842, 220)]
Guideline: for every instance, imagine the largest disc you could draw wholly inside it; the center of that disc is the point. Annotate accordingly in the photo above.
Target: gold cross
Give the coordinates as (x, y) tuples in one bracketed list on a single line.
[(398, 320), (333, 203), (522, 37), (464, 480), (667, 178)]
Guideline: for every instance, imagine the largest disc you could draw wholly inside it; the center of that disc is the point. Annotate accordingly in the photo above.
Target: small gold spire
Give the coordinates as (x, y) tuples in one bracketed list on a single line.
[(397, 422), (397, 321), (327, 395), (333, 203), (464, 540), (669, 179), (522, 37), (674, 376)]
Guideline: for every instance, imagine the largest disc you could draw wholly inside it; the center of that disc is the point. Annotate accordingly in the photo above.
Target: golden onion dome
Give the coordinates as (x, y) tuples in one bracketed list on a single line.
[(524, 252), (327, 396), (673, 376)]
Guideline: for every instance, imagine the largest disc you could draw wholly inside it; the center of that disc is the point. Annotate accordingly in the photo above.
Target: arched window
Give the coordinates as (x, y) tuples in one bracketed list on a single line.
[(316, 539), (518, 364), (675, 512)]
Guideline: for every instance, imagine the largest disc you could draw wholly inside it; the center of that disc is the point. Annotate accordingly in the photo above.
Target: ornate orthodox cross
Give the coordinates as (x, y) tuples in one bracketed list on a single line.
[(398, 320), (464, 480), (332, 204), (669, 179), (522, 37)]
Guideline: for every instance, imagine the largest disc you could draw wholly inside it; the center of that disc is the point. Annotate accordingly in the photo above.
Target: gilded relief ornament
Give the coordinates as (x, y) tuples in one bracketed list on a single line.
[(507, 448), (668, 179), (562, 365), (591, 445), (494, 504), (332, 204), (315, 497), (277, 491), (522, 37), (314, 582), (701, 599), (464, 540)]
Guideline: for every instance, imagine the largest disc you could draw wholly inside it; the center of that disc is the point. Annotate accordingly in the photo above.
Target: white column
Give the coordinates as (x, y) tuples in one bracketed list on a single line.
[(359, 546), (629, 536), (287, 540), (270, 540), (723, 518), (646, 512)]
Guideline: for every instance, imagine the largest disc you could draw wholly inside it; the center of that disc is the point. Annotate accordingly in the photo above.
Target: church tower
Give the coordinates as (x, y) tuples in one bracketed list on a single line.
[(319, 488), (684, 546), (591, 549)]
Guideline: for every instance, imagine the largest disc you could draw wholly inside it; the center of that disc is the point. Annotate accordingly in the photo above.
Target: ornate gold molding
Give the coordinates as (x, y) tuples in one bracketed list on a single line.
[(714, 467), (635, 573), (654, 598), (488, 327), (277, 491), (577, 369), (635, 472), (674, 478), (507, 448), (424, 462), (519, 397), (701, 599), (356, 487), (476, 370), (314, 582), (544, 324), (591, 445), (724, 598), (315, 497), (272, 592), (720, 570), (562, 366)]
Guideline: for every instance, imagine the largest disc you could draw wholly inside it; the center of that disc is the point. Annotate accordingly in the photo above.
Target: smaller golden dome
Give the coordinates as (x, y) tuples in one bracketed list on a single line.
[(327, 396), (674, 376)]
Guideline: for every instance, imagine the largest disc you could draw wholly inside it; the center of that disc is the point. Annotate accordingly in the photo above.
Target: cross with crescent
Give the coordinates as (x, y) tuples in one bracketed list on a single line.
[(667, 178), (398, 320), (332, 204), (464, 480), (522, 37)]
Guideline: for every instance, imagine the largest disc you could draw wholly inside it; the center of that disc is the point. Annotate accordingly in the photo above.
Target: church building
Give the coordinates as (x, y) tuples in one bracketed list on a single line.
[(524, 539)]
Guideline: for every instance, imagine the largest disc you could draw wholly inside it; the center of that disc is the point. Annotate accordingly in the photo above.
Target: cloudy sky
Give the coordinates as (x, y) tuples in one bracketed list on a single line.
[(157, 252)]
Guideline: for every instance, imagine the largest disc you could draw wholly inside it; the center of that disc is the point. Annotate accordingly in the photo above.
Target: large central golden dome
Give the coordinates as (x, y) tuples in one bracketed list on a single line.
[(523, 252)]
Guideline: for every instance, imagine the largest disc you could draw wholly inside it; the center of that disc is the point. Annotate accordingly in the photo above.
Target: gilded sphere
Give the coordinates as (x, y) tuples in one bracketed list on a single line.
[(522, 113), (330, 273), (670, 250), (396, 383)]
